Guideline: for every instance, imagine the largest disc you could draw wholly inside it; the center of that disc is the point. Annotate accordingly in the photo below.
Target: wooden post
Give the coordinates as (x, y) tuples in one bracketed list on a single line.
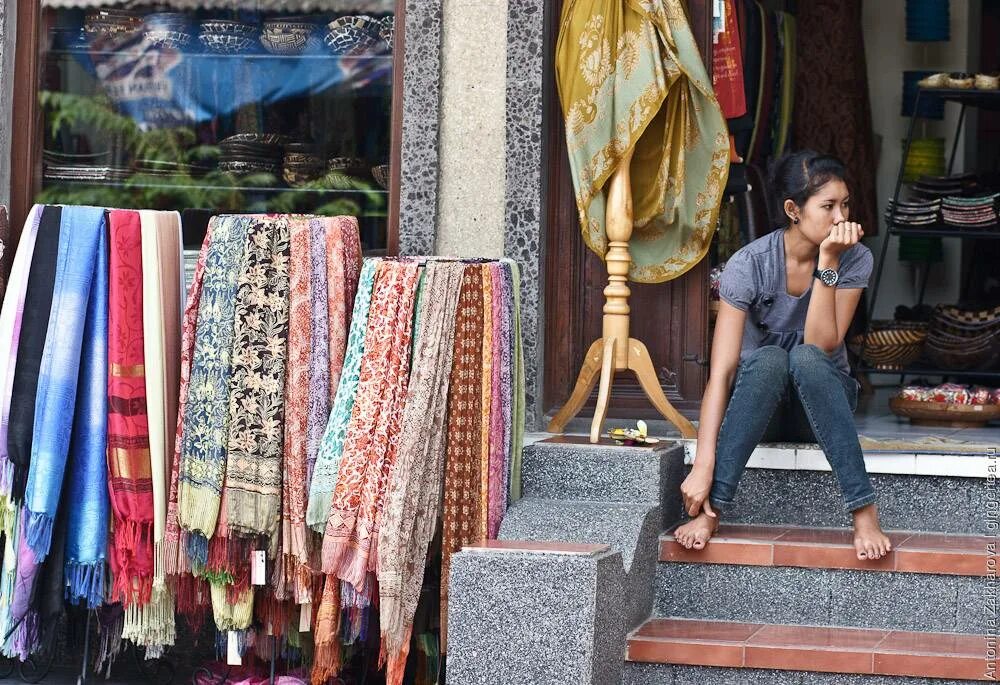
[(615, 350)]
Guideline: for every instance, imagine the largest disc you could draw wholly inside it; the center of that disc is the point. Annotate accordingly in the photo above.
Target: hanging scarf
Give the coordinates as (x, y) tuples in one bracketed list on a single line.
[(413, 501), (343, 246), (206, 414), (34, 324), (175, 556), (327, 657), (507, 379), (486, 404), (10, 331), (22, 635), (257, 384), (86, 496), (326, 245), (298, 393), (373, 432), (496, 492), (324, 479), (631, 78), (82, 238), (351, 237), (517, 421), (462, 481), (128, 430)]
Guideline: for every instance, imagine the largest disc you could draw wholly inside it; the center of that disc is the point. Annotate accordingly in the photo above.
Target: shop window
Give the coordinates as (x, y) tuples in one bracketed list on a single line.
[(275, 106)]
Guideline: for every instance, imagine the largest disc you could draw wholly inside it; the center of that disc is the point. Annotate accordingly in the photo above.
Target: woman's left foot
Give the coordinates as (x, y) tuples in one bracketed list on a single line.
[(869, 540)]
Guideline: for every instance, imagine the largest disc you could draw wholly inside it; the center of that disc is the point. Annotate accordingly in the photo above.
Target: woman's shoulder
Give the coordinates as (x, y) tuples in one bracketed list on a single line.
[(760, 248)]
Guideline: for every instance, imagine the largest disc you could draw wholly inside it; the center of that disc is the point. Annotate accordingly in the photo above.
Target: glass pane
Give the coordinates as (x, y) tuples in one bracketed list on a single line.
[(208, 107)]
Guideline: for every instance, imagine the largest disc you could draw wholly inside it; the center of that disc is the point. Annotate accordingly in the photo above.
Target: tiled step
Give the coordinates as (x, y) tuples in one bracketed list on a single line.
[(809, 648), (906, 502), (760, 545)]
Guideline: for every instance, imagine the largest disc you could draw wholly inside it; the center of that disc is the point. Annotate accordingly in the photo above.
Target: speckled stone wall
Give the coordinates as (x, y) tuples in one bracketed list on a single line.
[(418, 202), (7, 20), (529, 75)]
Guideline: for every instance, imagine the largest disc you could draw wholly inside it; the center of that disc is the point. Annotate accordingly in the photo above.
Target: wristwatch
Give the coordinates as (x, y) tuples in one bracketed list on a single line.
[(828, 277)]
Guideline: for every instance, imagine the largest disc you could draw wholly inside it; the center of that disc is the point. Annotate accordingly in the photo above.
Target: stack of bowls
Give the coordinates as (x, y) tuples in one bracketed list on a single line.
[(928, 20), (111, 23), (381, 175), (251, 153), (964, 339), (353, 35), (302, 164), (287, 35), (167, 30), (387, 30), (227, 37)]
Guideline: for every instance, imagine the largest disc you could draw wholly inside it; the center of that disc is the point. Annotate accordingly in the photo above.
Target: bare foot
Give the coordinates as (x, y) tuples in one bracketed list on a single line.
[(696, 532), (869, 540)]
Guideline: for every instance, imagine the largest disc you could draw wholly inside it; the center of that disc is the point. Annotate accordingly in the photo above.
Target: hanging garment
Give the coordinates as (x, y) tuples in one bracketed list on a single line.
[(86, 541), (34, 324), (320, 389), (760, 143), (257, 383), (326, 626), (206, 415), (128, 429), (413, 501), (485, 405), (10, 331), (495, 493), (76, 292), (294, 541), (832, 106), (520, 401), (784, 120), (727, 67), (175, 553), (372, 439), (343, 268), (631, 79), (324, 479), (462, 481)]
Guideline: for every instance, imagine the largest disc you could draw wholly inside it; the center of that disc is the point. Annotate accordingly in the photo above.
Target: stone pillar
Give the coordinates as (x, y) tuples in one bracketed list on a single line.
[(8, 23)]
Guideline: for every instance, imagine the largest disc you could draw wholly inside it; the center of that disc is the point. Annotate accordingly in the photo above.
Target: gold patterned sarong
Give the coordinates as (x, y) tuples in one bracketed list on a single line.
[(631, 78)]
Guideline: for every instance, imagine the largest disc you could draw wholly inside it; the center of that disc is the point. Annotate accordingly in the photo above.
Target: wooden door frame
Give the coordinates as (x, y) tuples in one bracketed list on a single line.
[(26, 128)]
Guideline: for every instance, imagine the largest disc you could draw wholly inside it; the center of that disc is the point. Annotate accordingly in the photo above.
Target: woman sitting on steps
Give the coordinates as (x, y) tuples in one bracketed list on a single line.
[(787, 300)]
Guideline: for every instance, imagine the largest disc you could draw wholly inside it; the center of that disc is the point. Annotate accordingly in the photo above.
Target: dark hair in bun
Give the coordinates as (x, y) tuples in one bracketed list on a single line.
[(797, 176)]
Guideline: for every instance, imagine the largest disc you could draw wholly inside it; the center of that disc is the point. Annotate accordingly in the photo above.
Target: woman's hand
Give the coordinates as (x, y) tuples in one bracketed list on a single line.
[(695, 490), (841, 237)]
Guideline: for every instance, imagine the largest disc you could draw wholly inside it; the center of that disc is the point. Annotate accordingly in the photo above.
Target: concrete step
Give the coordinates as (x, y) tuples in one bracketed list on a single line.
[(944, 504), (939, 553), (736, 652)]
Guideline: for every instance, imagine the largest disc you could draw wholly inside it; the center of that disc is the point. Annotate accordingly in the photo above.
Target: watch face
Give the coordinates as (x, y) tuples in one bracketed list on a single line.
[(829, 276)]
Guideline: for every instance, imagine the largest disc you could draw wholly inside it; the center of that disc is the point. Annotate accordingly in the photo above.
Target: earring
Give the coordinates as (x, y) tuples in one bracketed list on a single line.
[(795, 220)]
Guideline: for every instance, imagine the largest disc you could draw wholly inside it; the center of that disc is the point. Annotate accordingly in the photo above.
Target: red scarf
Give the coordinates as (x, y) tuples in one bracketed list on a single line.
[(130, 479)]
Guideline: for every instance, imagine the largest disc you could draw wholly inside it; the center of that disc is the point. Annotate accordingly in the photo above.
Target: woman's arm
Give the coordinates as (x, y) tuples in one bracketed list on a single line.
[(725, 358), (831, 309)]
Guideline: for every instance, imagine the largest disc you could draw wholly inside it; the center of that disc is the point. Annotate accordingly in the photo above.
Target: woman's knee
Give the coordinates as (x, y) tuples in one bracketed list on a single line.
[(808, 360), (770, 360)]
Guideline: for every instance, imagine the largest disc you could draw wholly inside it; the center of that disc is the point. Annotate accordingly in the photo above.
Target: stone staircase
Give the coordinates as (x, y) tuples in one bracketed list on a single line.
[(778, 596)]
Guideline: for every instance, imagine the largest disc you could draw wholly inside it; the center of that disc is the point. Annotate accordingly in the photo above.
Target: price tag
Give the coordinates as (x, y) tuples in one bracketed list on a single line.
[(233, 657), (305, 618), (258, 564)]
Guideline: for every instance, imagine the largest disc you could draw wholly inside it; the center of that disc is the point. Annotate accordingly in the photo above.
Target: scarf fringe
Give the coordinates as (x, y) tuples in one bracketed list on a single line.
[(395, 661), (152, 624), (111, 641), (159, 566), (132, 583), (23, 639), (85, 581), (327, 658), (38, 533)]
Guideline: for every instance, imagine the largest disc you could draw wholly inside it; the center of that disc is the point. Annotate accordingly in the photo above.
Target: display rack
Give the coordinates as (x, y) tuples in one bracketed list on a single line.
[(983, 99)]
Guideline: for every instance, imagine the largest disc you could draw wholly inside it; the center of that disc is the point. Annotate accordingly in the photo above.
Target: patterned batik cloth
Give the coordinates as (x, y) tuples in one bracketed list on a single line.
[(414, 491), (462, 480), (206, 414), (294, 541), (257, 383), (372, 438), (486, 405), (324, 480), (175, 553), (130, 479), (497, 492), (320, 390)]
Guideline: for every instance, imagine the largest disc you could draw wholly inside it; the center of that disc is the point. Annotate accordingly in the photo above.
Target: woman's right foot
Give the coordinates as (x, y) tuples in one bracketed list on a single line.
[(695, 533)]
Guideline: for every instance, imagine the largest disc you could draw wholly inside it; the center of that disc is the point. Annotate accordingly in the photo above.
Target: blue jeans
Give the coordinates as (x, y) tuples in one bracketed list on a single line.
[(797, 396)]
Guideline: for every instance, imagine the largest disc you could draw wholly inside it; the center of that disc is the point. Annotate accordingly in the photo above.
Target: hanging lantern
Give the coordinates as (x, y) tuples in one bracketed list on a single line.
[(928, 20)]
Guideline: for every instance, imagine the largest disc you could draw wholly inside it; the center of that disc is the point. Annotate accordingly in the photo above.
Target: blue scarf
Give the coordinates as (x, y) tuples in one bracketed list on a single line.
[(87, 485), (82, 239)]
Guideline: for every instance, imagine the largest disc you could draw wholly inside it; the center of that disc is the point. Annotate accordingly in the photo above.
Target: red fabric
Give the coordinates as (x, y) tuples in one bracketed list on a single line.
[(129, 469), (727, 67)]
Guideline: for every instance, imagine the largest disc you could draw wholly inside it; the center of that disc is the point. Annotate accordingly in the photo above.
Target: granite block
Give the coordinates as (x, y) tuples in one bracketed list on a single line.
[(8, 11), (755, 594), (975, 605), (599, 472), (664, 674), (418, 193), (905, 502), (902, 601), (500, 633)]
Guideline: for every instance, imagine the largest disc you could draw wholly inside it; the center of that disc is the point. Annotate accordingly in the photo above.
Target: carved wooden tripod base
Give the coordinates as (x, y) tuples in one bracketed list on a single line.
[(600, 363), (616, 351)]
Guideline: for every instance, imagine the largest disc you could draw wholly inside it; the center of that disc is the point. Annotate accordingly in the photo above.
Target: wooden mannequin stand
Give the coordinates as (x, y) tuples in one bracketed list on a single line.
[(615, 350)]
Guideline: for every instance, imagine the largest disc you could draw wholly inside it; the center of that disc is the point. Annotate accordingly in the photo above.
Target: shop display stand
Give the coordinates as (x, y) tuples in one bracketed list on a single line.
[(984, 99), (615, 350)]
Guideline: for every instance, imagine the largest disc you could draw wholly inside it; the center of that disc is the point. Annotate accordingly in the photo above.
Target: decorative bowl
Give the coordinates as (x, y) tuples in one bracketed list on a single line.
[(226, 26), (960, 79), (103, 23), (167, 38), (987, 81), (285, 41), (352, 35), (225, 43), (387, 30), (891, 344), (381, 175)]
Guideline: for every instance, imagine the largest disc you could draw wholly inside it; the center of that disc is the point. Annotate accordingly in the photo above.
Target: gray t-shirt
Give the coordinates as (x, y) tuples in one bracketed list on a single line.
[(754, 281)]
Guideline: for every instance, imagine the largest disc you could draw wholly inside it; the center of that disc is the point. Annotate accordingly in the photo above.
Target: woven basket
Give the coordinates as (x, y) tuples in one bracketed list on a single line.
[(943, 413), (891, 345)]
